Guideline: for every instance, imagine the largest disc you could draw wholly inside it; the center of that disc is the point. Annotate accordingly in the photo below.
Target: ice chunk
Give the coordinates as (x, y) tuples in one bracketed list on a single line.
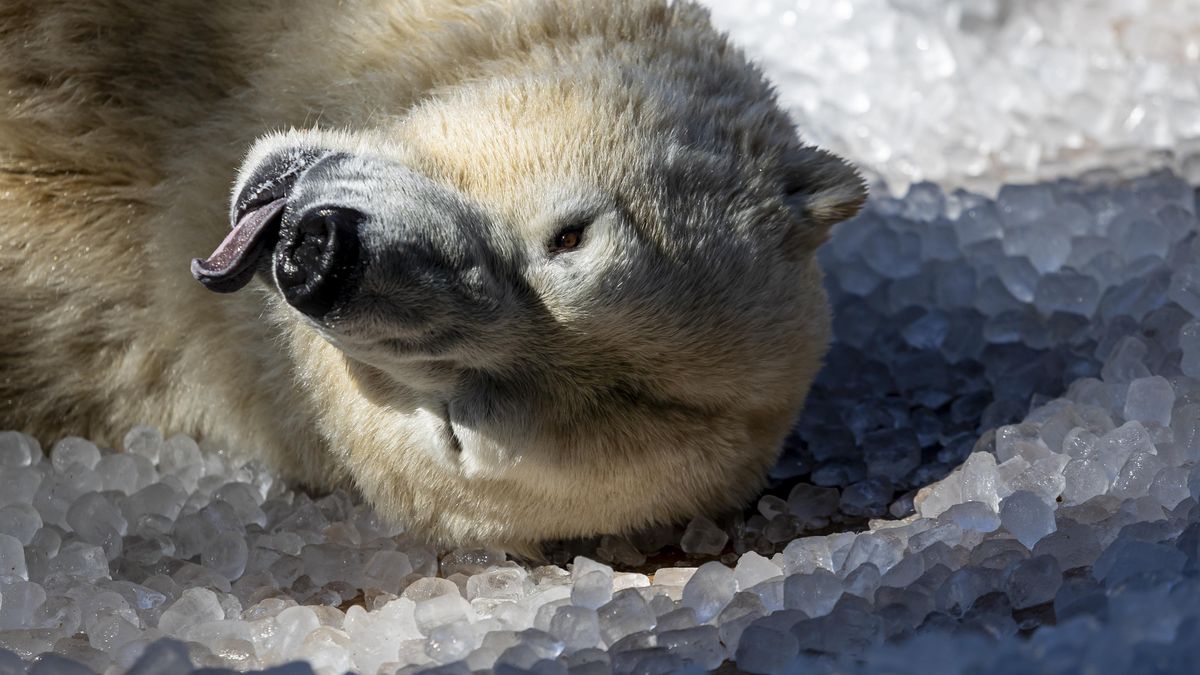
[(1080, 443), (1033, 582), (931, 501), (677, 619), (703, 537), (627, 613), (20, 603), (814, 594), (762, 649), (12, 559), (1019, 277), (74, 450), (159, 499), (927, 332), (195, 606), (110, 631), (470, 561), (387, 571), (742, 611), (47, 543), (924, 202), (1046, 248), (144, 441), (1127, 557), (1169, 487), (891, 454), (507, 583), (979, 480), (971, 515), (709, 590), (621, 551), (1067, 291), (700, 646), (226, 554), (1185, 288), (583, 565), (452, 642), (429, 587), (892, 254), (1189, 344), (940, 243), (16, 449), (292, 626), (324, 563), (880, 548), (179, 453), (577, 627), (1019, 439), (623, 580), (1021, 205), (95, 519), (118, 472), (805, 555), (868, 498), (21, 521), (963, 587), (1126, 361), (979, 223), (752, 569), (1136, 475), (1072, 545), (1185, 429), (947, 533), (245, 500), (1149, 400), (810, 503), (1027, 517), (1085, 478), (442, 610), (1043, 477), (954, 288), (49, 663), (1118, 445), (592, 589)]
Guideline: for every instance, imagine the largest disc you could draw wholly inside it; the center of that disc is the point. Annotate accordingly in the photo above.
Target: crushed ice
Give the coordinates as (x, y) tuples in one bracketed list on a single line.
[(1069, 521), (984, 92), (1001, 458)]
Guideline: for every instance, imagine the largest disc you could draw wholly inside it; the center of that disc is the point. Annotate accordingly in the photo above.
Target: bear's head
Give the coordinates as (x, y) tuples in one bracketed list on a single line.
[(570, 296)]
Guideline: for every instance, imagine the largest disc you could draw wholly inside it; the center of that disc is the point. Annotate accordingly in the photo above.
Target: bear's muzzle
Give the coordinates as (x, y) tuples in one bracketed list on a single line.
[(318, 259)]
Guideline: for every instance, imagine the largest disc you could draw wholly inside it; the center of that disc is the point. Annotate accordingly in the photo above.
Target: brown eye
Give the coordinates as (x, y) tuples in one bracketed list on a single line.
[(567, 239)]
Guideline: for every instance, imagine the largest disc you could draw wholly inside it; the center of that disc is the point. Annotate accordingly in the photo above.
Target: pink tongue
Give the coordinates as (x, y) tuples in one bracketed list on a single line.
[(231, 266)]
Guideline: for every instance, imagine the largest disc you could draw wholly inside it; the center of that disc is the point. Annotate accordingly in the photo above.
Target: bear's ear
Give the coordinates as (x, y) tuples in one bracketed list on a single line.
[(821, 190)]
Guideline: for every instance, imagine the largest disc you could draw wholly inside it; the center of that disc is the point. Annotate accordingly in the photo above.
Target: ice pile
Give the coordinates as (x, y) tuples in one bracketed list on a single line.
[(986, 92), (997, 472), (1065, 536)]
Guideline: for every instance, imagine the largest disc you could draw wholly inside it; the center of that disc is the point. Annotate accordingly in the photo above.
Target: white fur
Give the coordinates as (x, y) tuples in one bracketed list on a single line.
[(653, 378)]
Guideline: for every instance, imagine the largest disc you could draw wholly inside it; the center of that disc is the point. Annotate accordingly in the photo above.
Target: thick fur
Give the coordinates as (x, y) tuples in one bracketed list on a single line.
[(646, 377)]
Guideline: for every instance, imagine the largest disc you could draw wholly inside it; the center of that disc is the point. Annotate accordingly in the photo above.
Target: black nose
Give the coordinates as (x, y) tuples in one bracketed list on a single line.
[(318, 259)]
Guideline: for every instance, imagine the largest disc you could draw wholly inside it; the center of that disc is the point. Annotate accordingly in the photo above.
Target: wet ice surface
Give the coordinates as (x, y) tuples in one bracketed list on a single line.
[(1000, 461), (985, 92)]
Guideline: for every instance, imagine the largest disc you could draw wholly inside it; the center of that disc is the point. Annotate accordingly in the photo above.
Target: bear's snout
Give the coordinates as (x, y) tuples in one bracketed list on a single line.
[(319, 258)]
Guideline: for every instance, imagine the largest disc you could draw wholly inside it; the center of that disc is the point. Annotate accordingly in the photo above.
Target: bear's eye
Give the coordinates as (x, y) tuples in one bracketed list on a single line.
[(568, 238)]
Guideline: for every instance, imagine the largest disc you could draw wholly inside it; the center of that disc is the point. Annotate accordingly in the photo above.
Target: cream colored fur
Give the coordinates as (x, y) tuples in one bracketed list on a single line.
[(658, 379)]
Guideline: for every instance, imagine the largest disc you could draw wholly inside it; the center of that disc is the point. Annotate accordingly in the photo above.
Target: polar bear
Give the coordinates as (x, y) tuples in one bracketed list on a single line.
[(513, 269)]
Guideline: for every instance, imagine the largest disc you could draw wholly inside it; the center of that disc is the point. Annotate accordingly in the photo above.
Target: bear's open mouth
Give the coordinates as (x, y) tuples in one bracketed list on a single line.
[(232, 265), (257, 216)]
